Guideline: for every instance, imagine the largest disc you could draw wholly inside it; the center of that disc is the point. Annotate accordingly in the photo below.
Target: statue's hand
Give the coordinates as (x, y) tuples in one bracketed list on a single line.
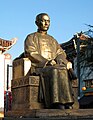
[(51, 63), (69, 65)]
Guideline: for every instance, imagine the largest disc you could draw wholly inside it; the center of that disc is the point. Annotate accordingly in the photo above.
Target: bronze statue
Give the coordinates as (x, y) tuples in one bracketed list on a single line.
[(49, 61)]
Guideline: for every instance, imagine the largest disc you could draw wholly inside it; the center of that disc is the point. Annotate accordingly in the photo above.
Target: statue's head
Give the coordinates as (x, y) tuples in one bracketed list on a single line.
[(42, 21)]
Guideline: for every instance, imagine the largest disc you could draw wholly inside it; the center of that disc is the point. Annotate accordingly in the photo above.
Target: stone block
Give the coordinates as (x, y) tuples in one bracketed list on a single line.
[(75, 93), (21, 67), (25, 93)]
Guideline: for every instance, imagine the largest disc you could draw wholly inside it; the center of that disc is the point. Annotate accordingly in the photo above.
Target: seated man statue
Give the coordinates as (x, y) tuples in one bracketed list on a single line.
[(49, 62)]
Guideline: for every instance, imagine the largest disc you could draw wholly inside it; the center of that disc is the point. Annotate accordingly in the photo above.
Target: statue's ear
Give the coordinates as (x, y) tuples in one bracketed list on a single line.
[(36, 22)]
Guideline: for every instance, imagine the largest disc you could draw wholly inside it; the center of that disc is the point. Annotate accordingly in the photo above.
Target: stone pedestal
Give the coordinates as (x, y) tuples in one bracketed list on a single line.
[(75, 93), (24, 87), (25, 90), (25, 93)]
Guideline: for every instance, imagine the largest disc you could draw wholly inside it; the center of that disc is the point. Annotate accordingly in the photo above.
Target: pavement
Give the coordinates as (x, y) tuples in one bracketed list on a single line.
[(56, 118), (50, 114)]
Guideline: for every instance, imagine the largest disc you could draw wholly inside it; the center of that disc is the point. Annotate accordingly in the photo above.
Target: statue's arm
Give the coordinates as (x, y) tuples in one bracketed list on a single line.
[(61, 57)]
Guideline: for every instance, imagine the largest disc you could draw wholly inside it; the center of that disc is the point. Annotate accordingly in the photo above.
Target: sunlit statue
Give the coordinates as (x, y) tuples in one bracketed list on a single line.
[(49, 61)]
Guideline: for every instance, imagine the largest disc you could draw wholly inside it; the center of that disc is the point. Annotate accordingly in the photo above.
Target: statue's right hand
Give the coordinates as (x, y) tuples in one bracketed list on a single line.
[(51, 63)]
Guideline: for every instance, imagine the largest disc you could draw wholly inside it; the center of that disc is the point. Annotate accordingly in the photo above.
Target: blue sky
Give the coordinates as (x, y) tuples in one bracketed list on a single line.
[(17, 19)]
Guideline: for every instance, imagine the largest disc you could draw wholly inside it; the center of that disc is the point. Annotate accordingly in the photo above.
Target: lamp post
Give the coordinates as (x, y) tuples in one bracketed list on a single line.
[(78, 65), (7, 93)]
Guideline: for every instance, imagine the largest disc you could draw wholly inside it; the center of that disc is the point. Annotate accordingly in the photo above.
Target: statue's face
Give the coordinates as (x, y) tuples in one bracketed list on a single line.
[(44, 23)]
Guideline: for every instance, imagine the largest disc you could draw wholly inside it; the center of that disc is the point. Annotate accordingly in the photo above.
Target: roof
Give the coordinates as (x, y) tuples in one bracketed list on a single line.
[(6, 44), (70, 47)]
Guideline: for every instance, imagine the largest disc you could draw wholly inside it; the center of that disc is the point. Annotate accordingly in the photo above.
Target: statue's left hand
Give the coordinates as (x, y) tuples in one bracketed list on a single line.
[(69, 65)]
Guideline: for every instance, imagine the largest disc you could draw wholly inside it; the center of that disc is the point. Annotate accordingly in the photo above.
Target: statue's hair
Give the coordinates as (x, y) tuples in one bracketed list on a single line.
[(39, 16)]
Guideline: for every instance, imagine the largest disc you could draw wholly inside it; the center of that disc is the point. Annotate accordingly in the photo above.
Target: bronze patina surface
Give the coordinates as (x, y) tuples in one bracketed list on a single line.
[(50, 63), (41, 83)]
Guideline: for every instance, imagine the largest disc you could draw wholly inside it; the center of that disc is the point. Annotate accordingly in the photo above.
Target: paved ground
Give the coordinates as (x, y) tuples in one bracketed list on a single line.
[(57, 118), (51, 114)]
